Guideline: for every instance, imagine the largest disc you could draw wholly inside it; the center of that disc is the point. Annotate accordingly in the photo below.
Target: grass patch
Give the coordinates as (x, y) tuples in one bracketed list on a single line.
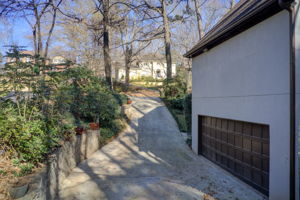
[(148, 84), (109, 134), (178, 116)]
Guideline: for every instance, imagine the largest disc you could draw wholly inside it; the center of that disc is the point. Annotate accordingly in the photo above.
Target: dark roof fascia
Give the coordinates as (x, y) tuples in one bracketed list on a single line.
[(268, 9)]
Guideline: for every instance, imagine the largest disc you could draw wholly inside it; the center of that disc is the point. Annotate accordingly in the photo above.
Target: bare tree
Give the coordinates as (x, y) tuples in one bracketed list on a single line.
[(105, 7), (106, 50), (33, 12), (135, 37), (161, 10)]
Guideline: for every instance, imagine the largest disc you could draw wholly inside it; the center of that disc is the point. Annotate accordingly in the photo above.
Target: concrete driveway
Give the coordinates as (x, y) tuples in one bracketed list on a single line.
[(150, 160)]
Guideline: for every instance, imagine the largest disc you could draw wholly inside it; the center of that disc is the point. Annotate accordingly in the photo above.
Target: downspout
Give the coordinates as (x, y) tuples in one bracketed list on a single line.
[(290, 6)]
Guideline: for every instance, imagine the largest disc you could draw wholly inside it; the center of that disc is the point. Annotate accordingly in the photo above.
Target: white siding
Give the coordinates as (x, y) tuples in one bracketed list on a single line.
[(149, 69), (247, 78)]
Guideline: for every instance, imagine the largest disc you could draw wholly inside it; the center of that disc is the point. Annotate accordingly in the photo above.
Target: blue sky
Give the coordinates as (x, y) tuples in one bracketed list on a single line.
[(15, 33)]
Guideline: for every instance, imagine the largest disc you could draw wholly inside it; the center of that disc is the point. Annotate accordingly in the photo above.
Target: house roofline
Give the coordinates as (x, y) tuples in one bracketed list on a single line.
[(250, 15)]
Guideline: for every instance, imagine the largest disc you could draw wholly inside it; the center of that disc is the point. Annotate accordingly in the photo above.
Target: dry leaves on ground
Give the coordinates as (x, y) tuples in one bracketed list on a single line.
[(144, 93)]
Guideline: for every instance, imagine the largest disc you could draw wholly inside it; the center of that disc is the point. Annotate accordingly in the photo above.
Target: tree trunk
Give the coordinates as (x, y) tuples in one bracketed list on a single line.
[(50, 33), (167, 36), (106, 51), (128, 55), (38, 29), (199, 20), (127, 73), (40, 44), (34, 40), (232, 3)]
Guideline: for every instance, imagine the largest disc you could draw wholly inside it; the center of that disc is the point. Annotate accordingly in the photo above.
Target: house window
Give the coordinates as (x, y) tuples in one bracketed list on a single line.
[(158, 73)]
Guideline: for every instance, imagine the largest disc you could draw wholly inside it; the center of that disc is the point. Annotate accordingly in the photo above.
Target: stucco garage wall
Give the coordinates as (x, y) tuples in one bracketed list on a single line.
[(247, 78), (297, 46)]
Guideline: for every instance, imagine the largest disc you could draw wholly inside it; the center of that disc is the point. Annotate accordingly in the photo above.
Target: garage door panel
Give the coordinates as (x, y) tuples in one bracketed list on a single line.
[(247, 158), (231, 125), (247, 129), (224, 136), (238, 155), (238, 141), (247, 173), (266, 166), (247, 144), (266, 149), (231, 138), (256, 146), (224, 148), (240, 147), (257, 162), (257, 130), (238, 127), (231, 152), (266, 132)]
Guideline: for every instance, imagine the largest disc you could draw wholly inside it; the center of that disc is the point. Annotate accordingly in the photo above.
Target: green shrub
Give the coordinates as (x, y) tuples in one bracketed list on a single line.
[(26, 138), (121, 98), (176, 103), (106, 133), (31, 126), (3, 173), (88, 97), (120, 87), (188, 117), (25, 169), (188, 112), (174, 88)]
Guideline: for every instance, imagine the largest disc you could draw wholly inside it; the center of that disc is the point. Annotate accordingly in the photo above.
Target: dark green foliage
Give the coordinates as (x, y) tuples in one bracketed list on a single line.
[(174, 88), (25, 169), (106, 133), (181, 109), (188, 117), (120, 87), (188, 112), (174, 91), (27, 138), (88, 98), (176, 103), (3, 173), (52, 106), (121, 98)]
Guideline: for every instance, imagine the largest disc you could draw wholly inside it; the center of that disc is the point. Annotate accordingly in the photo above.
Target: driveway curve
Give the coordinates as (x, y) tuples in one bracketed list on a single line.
[(150, 160)]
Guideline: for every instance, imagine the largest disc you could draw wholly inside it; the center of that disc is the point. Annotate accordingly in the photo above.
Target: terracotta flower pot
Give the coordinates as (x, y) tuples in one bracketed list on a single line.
[(129, 101), (94, 126), (79, 130)]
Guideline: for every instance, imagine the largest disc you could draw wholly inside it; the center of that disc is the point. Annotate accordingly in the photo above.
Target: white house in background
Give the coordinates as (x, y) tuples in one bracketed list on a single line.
[(58, 60), (246, 95), (150, 66)]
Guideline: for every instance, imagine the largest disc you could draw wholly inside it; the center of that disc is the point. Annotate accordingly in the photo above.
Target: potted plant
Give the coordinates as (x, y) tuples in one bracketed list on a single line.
[(129, 101), (80, 127), (94, 126), (79, 130)]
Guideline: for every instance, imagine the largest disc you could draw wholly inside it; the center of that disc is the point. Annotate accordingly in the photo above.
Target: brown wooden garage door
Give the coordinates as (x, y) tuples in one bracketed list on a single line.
[(240, 147)]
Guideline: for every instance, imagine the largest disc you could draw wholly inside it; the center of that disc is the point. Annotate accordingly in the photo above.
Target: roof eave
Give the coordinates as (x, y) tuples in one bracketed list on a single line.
[(265, 11)]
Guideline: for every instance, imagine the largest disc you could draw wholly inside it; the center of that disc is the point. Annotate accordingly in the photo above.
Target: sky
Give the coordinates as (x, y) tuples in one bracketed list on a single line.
[(15, 33)]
